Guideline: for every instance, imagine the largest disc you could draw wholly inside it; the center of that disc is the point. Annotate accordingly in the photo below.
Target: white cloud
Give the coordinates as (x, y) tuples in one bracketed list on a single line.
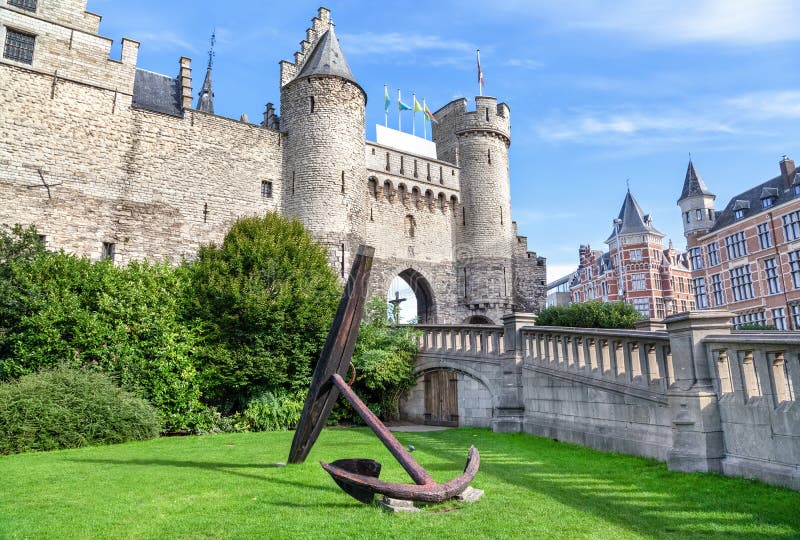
[(164, 40), (396, 42), (524, 63), (734, 22), (768, 105)]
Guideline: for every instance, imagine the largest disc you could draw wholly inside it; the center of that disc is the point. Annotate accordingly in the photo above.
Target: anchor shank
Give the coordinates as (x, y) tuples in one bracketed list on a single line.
[(414, 469)]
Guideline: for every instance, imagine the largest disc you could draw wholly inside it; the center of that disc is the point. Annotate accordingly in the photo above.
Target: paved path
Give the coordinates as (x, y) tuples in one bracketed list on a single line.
[(415, 428)]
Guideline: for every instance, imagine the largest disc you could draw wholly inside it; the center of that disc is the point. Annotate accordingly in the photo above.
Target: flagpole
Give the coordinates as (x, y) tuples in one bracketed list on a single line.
[(424, 121), (399, 111), (413, 113), (480, 75), (386, 105)]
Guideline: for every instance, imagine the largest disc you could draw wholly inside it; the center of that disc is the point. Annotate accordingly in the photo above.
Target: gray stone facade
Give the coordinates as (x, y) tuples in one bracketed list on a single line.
[(92, 159)]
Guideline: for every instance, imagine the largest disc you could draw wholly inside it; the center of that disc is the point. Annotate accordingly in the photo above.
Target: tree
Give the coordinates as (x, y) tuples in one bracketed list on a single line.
[(383, 359), (265, 299)]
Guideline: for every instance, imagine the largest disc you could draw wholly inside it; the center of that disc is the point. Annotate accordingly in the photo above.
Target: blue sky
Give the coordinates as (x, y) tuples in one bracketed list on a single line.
[(599, 91)]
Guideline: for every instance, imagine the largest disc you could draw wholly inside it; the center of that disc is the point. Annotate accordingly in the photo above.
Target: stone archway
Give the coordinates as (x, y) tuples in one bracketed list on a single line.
[(426, 305), (479, 319)]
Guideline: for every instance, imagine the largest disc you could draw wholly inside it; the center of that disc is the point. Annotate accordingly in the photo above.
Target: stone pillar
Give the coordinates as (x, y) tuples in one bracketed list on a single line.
[(697, 438), (509, 412)]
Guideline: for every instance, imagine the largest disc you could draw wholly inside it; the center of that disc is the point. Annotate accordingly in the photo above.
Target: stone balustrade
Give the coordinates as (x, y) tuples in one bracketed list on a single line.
[(470, 340)]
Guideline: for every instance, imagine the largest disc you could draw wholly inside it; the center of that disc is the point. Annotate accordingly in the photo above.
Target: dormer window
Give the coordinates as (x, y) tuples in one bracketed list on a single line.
[(768, 197), (740, 208), (796, 184)]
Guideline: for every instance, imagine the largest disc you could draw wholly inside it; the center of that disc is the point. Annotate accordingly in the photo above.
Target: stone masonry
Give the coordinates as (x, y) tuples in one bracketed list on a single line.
[(101, 154)]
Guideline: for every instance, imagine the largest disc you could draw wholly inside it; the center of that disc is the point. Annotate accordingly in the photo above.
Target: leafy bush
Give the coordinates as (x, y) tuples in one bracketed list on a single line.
[(590, 315), (265, 299), (57, 309), (756, 326), (270, 411), (69, 408), (384, 360)]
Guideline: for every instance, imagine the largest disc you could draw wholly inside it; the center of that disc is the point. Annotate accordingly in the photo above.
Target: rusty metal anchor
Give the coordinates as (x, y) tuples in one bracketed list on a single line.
[(359, 477)]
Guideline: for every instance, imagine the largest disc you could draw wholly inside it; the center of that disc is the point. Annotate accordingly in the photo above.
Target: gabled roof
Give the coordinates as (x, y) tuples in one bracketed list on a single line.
[(205, 102), (156, 92), (327, 59), (693, 184), (631, 220), (750, 201)]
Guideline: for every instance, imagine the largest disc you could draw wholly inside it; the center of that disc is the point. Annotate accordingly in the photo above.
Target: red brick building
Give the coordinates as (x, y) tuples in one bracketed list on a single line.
[(636, 269), (746, 258)]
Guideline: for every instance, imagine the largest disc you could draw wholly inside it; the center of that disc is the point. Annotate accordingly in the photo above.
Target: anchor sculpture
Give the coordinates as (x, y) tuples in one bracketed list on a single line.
[(359, 477)]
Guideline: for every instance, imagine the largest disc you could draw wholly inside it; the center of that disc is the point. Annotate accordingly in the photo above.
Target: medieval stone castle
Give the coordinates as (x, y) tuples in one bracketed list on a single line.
[(110, 160)]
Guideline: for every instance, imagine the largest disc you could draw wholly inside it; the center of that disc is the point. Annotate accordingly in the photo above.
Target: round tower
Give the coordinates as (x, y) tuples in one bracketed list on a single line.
[(478, 142), (697, 205), (324, 151)]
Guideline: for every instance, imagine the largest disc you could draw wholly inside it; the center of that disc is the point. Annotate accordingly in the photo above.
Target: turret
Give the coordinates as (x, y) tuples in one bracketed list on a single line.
[(205, 100), (478, 140), (323, 118), (697, 204)]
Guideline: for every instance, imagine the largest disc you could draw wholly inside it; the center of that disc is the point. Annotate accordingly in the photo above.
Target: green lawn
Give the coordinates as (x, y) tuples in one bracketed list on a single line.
[(225, 486)]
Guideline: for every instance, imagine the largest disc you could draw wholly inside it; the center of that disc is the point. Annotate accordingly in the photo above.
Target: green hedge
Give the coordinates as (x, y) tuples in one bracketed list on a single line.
[(70, 408), (590, 315)]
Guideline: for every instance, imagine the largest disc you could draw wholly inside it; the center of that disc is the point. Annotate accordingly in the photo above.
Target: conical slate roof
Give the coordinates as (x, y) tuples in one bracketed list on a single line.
[(206, 101), (632, 220), (693, 185), (327, 59)]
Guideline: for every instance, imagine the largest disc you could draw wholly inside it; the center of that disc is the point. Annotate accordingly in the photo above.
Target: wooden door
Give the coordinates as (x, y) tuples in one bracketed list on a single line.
[(441, 398)]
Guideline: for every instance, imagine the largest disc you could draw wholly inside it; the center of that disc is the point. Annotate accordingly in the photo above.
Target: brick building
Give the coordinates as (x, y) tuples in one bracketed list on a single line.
[(636, 269), (111, 160), (746, 258)]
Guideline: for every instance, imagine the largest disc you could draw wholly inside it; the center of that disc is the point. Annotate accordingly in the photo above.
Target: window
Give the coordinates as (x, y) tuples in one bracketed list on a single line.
[(736, 245), (604, 288), (779, 318), (794, 264), (791, 226), (638, 282), (741, 283), (683, 306), (642, 305), (681, 286), (796, 315), (738, 214), (764, 237), (796, 189), (700, 297), (687, 217), (109, 250), (411, 226), (716, 289), (698, 214), (771, 273), (660, 311), (636, 254), (19, 46), (28, 5), (266, 189), (766, 202), (750, 318), (713, 254), (710, 214), (696, 257)]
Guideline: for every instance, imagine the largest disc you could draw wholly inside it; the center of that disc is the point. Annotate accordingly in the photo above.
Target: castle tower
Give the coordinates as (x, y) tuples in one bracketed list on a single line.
[(478, 142), (697, 205), (324, 164), (205, 101)]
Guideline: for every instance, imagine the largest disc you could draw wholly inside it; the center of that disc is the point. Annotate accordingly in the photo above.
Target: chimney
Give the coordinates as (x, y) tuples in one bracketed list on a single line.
[(787, 171), (186, 83), (585, 255)]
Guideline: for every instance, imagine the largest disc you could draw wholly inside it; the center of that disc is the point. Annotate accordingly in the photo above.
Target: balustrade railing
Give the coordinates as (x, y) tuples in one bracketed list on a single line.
[(461, 340), (748, 365), (632, 357)]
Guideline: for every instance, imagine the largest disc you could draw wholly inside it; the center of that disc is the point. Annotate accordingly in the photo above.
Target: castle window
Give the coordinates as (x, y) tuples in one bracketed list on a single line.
[(636, 255), (463, 216), (428, 178), (713, 253), (28, 5), (696, 257), (415, 169), (738, 214), (642, 305), (736, 245), (741, 283), (487, 114), (779, 319), (791, 226), (373, 187), (638, 282), (716, 288), (266, 189), (687, 217), (342, 181), (794, 264), (387, 161), (109, 250), (402, 165), (411, 226), (796, 189), (489, 156), (710, 214), (700, 296), (19, 46), (771, 273), (311, 103), (766, 202), (699, 214)]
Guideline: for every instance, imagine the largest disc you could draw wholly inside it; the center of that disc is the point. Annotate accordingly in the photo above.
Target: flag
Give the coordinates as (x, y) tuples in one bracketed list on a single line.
[(429, 115), (417, 106), (386, 100), (402, 106), (481, 82)]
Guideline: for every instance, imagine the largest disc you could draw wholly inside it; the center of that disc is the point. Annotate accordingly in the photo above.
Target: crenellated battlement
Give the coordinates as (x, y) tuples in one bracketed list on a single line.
[(319, 25), (489, 117)]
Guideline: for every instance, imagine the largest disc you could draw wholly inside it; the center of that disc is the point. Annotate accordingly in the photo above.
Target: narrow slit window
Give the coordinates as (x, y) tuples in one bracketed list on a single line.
[(311, 103), (342, 181), (109, 251)]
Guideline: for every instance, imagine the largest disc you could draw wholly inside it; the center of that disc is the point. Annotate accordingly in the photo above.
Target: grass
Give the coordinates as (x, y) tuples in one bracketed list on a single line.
[(226, 486)]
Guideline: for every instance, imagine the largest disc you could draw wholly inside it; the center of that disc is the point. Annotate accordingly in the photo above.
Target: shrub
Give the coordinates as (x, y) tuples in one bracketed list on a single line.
[(265, 299), (58, 309), (590, 315), (270, 411), (756, 326), (69, 408), (384, 360)]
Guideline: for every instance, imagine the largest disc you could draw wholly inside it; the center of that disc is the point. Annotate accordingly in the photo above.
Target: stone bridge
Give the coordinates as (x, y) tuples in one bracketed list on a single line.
[(692, 393)]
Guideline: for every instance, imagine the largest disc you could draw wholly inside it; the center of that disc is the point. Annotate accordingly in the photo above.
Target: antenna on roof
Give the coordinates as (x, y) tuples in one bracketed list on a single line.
[(211, 53)]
